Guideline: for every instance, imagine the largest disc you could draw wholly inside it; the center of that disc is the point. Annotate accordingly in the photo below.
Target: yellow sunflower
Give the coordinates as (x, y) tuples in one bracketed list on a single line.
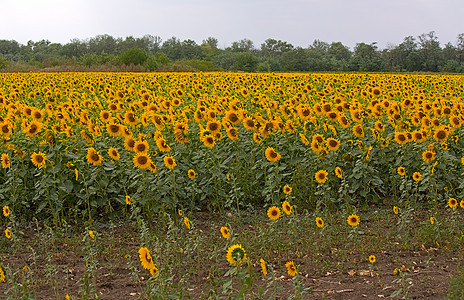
[(332, 144), (6, 211), (162, 145), (291, 269), (169, 162), (208, 141), (452, 202), (236, 254), (417, 176), (114, 130), (395, 210), (262, 263), (191, 174), (225, 232), (38, 159), (338, 172), (114, 154), (353, 220), (273, 213), (272, 155), (94, 157), (358, 131), (319, 222), (372, 259), (321, 176), (428, 155), (141, 160), (6, 162), (287, 189), (187, 223), (128, 200), (287, 208), (146, 259), (401, 171), (8, 233)]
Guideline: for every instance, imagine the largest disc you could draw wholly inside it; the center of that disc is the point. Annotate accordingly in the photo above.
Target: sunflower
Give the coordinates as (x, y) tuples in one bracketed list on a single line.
[(141, 146), (128, 200), (333, 144), (287, 189), (208, 141), (321, 176), (452, 202), (358, 131), (114, 154), (8, 233), (141, 160), (428, 156), (146, 259), (6, 211), (249, 123), (291, 269), (6, 129), (271, 154), (114, 130), (395, 210), (94, 157), (401, 138), (2, 275), (105, 115), (232, 117), (33, 128), (213, 126), (287, 208), (169, 162), (236, 254), (225, 232), (417, 176), (440, 134), (129, 143), (432, 220), (273, 213), (162, 145), (187, 223), (401, 171), (353, 220), (38, 159), (338, 172), (372, 259), (257, 138), (152, 167), (232, 133), (191, 174), (262, 263), (319, 222), (6, 162)]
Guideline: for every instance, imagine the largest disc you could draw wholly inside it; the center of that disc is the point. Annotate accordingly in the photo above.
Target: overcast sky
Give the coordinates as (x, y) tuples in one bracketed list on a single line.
[(298, 22)]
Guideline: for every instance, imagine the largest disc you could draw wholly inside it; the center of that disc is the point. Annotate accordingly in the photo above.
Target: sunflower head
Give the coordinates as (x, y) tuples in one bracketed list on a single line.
[(372, 259), (287, 189), (145, 258), (114, 154), (401, 171), (319, 222), (142, 160), (395, 210), (273, 213), (169, 162), (417, 176), (272, 155), (225, 232), (236, 254), (338, 172), (353, 220), (38, 159), (6, 211), (321, 176), (291, 269), (191, 174), (452, 202), (287, 208)]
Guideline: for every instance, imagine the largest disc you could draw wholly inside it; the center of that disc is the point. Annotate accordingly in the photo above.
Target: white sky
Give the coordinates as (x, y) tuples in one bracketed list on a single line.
[(298, 22)]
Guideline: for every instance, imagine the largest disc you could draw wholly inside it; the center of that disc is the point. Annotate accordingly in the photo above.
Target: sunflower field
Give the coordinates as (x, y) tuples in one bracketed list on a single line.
[(105, 146), (79, 143)]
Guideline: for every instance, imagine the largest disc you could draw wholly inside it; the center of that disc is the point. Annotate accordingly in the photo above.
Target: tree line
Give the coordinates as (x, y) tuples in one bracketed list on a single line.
[(149, 53)]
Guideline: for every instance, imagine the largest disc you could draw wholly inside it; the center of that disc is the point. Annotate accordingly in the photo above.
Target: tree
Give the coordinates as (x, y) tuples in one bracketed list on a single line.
[(244, 45), (172, 48), (430, 51), (133, 56), (366, 58)]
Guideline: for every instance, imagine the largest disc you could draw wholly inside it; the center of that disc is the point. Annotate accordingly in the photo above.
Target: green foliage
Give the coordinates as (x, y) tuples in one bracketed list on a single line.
[(134, 56)]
